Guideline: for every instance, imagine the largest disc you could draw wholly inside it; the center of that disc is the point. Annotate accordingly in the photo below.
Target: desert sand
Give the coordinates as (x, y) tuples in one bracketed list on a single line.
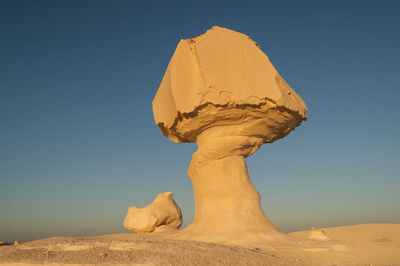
[(367, 244)]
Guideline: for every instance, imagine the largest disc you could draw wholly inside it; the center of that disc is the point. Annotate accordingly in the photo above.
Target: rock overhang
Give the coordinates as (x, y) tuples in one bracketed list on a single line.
[(223, 78)]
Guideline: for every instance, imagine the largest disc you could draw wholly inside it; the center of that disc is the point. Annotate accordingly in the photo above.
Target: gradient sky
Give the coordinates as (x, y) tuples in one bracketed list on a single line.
[(78, 143)]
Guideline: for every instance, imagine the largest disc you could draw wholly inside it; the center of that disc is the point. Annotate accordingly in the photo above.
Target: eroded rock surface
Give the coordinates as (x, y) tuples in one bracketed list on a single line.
[(222, 92), (317, 234), (222, 78), (162, 212)]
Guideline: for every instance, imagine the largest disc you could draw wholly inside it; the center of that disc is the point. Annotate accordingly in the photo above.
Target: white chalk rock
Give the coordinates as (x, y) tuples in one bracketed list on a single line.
[(223, 78), (223, 93), (163, 211), (317, 234)]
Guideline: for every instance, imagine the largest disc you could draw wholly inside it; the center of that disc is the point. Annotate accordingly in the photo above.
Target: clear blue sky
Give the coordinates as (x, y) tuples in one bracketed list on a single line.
[(78, 143)]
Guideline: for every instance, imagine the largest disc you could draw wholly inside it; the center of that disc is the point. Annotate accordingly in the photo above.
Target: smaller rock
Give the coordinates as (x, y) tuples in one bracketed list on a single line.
[(317, 234), (16, 243), (163, 211)]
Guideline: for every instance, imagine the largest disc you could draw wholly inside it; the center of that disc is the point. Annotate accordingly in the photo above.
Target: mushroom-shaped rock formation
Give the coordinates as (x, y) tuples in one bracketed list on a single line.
[(162, 212), (222, 92)]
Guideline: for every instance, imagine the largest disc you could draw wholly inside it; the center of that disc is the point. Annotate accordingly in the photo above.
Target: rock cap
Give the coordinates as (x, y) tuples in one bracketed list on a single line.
[(218, 78)]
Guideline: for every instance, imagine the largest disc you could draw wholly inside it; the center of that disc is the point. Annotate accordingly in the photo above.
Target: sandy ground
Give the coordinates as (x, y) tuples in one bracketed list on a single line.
[(368, 244)]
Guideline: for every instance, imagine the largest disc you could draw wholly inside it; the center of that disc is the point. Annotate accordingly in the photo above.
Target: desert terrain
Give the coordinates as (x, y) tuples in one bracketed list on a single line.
[(366, 244)]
